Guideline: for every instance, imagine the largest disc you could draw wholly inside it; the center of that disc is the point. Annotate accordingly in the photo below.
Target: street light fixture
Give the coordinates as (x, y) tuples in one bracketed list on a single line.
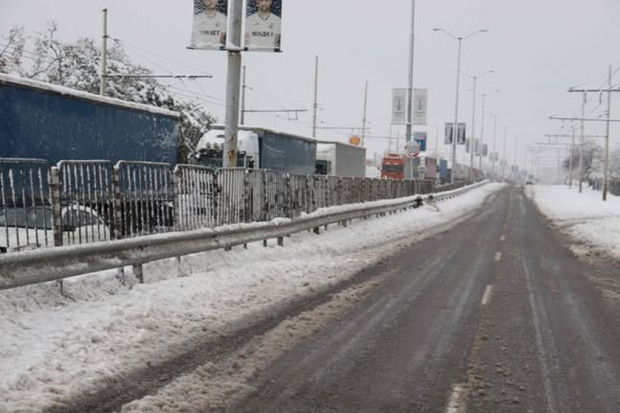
[(458, 78)]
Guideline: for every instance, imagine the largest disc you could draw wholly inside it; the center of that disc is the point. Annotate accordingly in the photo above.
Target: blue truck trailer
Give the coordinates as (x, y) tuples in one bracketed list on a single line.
[(260, 148), (54, 123)]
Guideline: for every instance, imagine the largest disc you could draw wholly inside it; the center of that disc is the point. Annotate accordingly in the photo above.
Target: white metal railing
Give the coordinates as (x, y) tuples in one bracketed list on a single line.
[(77, 202)]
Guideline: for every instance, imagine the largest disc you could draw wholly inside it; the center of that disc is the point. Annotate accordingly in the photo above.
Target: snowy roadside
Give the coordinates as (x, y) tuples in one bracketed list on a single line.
[(592, 224), (54, 349)]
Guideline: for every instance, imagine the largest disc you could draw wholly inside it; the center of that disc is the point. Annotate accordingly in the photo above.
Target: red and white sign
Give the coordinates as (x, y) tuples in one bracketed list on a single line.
[(412, 149)]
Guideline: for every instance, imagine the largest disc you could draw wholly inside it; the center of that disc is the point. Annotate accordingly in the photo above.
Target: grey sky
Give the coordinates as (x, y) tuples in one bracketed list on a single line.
[(538, 49)]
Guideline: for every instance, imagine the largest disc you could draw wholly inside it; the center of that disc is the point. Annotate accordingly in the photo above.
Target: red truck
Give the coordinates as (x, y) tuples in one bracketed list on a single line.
[(393, 166)]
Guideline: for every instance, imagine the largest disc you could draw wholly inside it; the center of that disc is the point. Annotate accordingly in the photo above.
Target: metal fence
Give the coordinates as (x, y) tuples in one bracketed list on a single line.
[(25, 213), (77, 202), (613, 185)]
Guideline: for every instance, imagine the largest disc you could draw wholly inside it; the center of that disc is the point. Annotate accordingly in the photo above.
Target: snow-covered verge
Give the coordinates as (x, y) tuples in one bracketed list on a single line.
[(54, 348), (593, 224)]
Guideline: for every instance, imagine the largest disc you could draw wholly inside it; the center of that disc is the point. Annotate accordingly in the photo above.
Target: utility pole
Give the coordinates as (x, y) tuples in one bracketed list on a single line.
[(233, 80), (316, 87), (606, 168), (242, 121), (104, 57), (608, 120), (364, 118)]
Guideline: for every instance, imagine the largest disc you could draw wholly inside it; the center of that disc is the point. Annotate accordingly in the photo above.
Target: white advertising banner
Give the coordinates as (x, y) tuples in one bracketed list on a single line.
[(399, 106), (420, 101), (209, 25), (262, 25), (448, 133)]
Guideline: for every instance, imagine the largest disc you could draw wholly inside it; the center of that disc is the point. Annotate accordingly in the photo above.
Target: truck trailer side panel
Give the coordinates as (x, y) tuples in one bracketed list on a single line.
[(351, 161), (287, 153), (54, 124)]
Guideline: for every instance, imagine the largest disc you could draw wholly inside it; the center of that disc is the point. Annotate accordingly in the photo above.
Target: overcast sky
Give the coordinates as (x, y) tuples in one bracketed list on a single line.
[(537, 49)]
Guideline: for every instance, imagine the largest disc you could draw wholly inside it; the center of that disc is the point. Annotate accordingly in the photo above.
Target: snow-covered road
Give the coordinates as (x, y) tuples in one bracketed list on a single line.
[(56, 348)]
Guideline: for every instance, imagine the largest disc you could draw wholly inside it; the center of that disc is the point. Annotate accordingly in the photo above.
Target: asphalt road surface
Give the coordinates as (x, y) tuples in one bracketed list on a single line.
[(495, 315)]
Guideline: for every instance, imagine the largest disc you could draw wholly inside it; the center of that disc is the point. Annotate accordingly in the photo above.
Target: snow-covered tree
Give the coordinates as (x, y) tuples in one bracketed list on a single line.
[(12, 51), (593, 160), (77, 65)]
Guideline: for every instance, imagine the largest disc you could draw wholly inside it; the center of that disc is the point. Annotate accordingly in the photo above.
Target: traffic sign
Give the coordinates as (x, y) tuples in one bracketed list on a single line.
[(412, 149)]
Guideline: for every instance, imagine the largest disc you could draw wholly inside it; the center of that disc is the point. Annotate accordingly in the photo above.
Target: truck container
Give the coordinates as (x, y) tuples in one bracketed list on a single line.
[(260, 148), (54, 123), (340, 159), (444, 172), (423, 167)]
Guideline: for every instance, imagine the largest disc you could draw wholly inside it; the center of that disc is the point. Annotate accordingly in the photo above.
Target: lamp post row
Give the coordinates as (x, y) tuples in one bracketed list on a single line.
[(459, 39)]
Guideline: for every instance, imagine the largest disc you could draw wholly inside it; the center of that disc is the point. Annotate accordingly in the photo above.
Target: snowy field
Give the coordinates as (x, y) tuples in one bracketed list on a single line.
[(593, 224), (55, 348)]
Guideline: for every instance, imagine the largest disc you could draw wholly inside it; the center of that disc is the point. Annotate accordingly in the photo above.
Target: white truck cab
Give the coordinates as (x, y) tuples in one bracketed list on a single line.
[(210, 147)]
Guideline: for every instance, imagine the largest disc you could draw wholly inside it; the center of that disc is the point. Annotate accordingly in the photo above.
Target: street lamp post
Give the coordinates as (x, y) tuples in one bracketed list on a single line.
[(458, 79), (484, 96), (473, 122), (495, 153)]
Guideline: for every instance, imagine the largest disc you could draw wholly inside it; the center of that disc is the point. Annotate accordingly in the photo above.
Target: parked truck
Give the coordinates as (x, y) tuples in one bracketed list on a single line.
[(42, 124), (54, 123), (260, 148), (340, 159)]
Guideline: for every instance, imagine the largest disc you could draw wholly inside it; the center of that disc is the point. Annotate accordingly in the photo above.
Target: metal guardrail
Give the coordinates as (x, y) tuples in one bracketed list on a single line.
[(38, 266)]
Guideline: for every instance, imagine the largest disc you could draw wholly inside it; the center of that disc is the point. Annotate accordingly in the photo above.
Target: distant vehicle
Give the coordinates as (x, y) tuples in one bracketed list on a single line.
[(393, 166), (529, 183), (424, 167), (54, 123), (340, 159), (23, 228), (397, 166), (260, 148)]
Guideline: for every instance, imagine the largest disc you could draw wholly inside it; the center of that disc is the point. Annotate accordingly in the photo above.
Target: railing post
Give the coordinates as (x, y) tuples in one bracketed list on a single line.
[(177, 181), (265, 207), (54, 182), (138, 273), (247, 196), (288, 197), (117, 203)]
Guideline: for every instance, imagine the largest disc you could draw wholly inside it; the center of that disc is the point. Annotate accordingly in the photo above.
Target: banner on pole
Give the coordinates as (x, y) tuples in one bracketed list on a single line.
[(449, 133), (485, 149), (263, 25), (399, 106), (460, 135), (420, 102), (209, 25)]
